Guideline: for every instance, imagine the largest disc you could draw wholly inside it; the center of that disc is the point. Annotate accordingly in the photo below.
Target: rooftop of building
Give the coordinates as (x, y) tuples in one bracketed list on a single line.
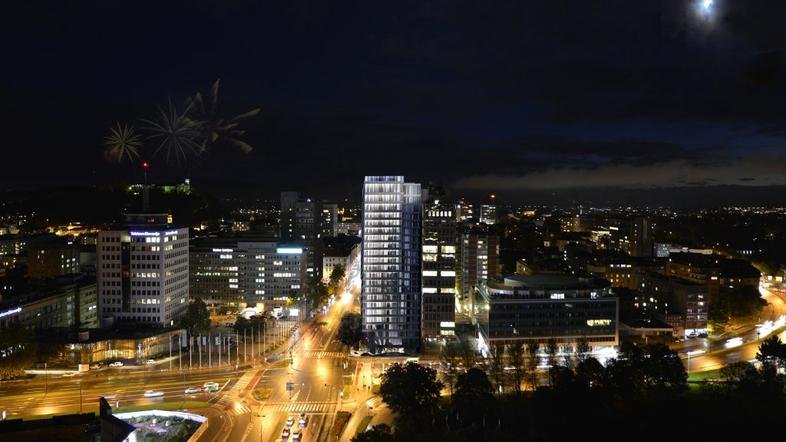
[(27, 290), (73, 336), (548, 282), (646, 323), (728, 267)]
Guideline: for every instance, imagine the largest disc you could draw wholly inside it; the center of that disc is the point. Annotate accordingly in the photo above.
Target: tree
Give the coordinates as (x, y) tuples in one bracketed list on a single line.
[(735, 371), (241, 323), (590, 373), (552, 348), (516, 352), (412, 391), (336, 276), (449, 355), (741, 302), (467, 353), (497, 353), (583, 349), (772, 350), (17, 352), (474, 396), (377, 433), (533, 348), (350, 330), (196, 319), (316, 292)]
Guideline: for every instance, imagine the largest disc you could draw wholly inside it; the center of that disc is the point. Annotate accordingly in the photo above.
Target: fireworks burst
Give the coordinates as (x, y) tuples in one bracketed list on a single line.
[(214, 128), (121, 143), (178, 137)]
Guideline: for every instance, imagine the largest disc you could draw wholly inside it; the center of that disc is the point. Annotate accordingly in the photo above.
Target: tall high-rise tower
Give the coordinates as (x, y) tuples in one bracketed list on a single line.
[(390, 265), (440, 243)]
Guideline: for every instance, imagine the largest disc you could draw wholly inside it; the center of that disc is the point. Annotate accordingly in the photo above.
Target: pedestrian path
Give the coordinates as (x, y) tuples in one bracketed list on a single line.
[(246, 379)]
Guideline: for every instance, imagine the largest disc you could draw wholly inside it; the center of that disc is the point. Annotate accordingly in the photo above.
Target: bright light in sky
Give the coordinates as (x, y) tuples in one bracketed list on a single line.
[(707, 4)]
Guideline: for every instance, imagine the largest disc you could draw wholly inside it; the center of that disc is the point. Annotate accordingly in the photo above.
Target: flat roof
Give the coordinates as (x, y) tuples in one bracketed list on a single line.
[(548, 282)]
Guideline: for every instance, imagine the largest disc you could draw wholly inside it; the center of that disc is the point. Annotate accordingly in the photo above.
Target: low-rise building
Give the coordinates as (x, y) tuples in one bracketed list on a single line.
[(539, 308), (66, 302)]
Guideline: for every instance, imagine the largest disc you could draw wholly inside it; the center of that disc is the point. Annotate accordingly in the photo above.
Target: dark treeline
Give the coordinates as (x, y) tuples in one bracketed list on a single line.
[(642, 395)]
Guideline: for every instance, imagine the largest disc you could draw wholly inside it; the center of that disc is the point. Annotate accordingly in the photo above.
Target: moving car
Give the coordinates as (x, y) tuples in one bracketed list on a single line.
[(193, 390), (297, 435), (290, 421), (150, 361), (69, 374), (285, 433), (211, 386), (303, 421), (116, 364), (153, 393)]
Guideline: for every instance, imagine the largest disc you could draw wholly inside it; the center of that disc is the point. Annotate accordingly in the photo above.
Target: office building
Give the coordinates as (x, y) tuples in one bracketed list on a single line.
[(53, 258), (682, 303), (390, 264), (142, 271), (488, 211), (632, 236), (38, 305), (478, 259), (539, 308), (245, 271), (305, 221), (464, 211), (440, 242)]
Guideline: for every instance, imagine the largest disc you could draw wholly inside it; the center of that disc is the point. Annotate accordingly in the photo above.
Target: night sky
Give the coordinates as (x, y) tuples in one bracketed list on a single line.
[(510, 97)]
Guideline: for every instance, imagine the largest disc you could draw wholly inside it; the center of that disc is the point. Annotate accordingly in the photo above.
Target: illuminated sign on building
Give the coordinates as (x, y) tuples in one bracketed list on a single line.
[(145, 233), (598, 322), (289, 250), (222, 250), (13, 311), (171, 232)]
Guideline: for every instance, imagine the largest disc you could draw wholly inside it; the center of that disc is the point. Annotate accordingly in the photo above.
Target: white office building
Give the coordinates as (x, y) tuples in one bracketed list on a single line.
[(390, 265), (142, 272)]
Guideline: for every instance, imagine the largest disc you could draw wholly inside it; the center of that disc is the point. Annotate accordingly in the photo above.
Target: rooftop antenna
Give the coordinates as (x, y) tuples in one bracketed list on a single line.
[(145, 189)]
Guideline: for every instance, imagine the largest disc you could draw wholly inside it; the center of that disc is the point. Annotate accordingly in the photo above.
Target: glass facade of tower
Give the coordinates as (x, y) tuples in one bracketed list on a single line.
[(391, 273)]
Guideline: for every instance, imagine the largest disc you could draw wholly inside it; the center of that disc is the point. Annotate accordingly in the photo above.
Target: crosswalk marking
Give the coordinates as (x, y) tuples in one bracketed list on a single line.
[(301, 407), (325, 354)]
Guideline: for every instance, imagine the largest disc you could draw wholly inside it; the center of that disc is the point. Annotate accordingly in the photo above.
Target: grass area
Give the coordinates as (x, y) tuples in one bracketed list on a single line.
[(363, 424), (342, 417), (170, 406), (262, 394), (704, 375)]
